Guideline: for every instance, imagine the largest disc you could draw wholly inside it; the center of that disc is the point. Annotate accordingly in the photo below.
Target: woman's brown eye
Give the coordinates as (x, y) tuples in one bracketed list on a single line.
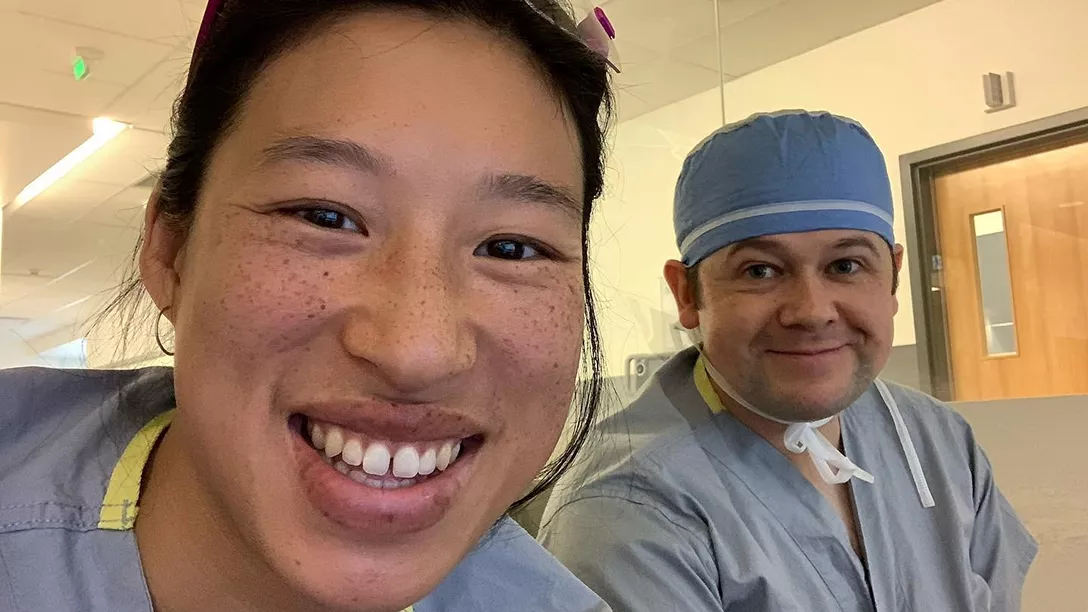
[(509, 249), (328, 219)]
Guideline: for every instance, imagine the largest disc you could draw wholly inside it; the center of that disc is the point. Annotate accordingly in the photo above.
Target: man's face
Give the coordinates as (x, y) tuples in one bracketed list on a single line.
[(799, 324)]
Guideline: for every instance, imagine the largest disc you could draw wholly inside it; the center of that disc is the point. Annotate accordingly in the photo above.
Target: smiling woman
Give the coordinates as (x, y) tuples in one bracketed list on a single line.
[(370, 239)]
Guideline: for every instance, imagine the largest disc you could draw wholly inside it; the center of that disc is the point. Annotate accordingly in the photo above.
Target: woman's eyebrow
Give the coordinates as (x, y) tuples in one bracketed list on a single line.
[(530, 190), (355, 156), (328, 151)]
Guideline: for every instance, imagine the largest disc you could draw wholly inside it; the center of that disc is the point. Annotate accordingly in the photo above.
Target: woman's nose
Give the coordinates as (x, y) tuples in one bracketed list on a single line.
[(415, 328)]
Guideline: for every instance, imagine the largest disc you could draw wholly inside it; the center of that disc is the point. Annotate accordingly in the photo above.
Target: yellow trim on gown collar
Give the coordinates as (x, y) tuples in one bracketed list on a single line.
[(122, 500), (706, 388), (121, 503)]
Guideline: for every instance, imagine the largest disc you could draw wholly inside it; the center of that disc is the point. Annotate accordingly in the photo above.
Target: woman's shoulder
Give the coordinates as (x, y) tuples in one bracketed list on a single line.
[(509, 570), (34, 393), (62, 432)]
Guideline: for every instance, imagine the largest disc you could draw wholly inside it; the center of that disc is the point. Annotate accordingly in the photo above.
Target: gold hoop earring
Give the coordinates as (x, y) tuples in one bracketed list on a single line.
[(158, 336)]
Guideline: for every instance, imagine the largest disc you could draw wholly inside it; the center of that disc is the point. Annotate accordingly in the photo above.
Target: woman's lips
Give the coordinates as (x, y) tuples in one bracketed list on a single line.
[(378, 489)]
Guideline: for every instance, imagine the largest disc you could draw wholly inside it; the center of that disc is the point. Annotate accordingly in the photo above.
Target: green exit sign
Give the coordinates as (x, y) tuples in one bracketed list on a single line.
[(79, 68)]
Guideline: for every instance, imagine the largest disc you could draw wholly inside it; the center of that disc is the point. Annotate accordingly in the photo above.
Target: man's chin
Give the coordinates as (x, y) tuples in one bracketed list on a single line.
[(814, 402)]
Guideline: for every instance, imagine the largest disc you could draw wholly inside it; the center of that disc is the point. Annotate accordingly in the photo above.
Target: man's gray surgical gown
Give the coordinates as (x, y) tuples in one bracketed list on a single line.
[(681, 507)]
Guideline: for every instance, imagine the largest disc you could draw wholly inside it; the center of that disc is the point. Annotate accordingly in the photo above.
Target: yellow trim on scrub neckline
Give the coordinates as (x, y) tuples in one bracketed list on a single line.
[(706, 389), (121, 503)]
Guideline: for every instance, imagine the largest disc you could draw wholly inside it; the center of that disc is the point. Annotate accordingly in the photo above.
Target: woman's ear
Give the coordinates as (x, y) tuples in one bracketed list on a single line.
[(159, 253)]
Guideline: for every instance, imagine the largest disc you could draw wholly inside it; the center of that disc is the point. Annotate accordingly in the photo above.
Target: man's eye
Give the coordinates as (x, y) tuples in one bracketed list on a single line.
[(510, 249), (328, 219), (846, 267), (759, 272)]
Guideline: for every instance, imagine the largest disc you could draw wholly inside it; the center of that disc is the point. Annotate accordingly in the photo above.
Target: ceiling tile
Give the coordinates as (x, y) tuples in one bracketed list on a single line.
[(49, 45), (125, 160), (125, 209), (55, 91), (15, 286), (64, 202), (41, 303), (659, 26), (31, 141), (148, 104), (166, 21), (31, 245)]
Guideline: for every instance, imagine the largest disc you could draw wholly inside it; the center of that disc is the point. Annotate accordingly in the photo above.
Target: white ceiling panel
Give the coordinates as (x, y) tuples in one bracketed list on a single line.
[(8, 323), (125, 209), (125, 160), (42, 303), (149, 103), (659, 26), (49, 45), (32, 140), (651, 80), (735, 11), (52, 248), (164, 21), (64, 324), (32, 88), (64, 202), (16, 286)]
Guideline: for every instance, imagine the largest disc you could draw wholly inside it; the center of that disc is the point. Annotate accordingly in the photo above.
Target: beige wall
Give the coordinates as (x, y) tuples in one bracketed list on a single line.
[(915, 82)]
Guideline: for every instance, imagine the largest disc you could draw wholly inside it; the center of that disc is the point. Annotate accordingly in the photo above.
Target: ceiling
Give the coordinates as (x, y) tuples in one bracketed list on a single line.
[(63, 252)]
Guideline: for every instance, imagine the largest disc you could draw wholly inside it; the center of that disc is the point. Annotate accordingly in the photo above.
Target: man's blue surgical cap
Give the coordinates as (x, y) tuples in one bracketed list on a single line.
[(780, 173)]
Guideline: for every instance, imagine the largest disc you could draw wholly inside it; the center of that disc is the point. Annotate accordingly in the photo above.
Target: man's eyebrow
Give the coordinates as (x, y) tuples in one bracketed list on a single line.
[(531, 190), (328, 151), (759, 244), (857, 241), (774, 248)]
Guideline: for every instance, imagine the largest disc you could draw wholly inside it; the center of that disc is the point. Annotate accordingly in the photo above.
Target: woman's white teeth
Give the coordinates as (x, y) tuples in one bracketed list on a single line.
[(427, 462), (376, 461), (352, 453), (406, 463), (317, 436), (334, 442), (345, 451), (442, 461)]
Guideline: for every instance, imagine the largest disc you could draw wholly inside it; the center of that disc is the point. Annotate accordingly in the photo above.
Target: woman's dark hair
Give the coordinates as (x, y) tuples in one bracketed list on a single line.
[(249, 34)]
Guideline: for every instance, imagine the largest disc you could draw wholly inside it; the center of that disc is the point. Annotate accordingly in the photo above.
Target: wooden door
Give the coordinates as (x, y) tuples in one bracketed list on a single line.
[(1014, 244)]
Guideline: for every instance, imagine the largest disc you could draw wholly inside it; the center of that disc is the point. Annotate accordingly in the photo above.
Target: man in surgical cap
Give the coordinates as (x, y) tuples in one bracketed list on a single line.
[(768, 468)]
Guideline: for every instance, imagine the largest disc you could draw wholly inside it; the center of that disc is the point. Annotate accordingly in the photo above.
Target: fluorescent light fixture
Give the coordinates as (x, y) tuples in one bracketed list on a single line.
[(104, 130)]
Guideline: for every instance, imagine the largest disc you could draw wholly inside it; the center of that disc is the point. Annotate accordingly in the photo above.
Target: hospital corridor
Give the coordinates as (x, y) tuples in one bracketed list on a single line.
[(571, 305)]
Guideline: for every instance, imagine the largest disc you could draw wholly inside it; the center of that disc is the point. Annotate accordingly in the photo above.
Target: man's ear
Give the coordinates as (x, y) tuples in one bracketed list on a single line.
[(159, 252), (684, 292), (897, 264)]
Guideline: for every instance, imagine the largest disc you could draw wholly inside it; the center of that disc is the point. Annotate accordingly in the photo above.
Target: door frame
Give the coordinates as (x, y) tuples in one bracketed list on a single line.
[(917, 171)]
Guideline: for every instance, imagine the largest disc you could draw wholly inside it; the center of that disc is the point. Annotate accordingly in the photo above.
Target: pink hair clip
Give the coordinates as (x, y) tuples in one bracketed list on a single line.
[(598, 33), (594, 29), (210, 14)]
